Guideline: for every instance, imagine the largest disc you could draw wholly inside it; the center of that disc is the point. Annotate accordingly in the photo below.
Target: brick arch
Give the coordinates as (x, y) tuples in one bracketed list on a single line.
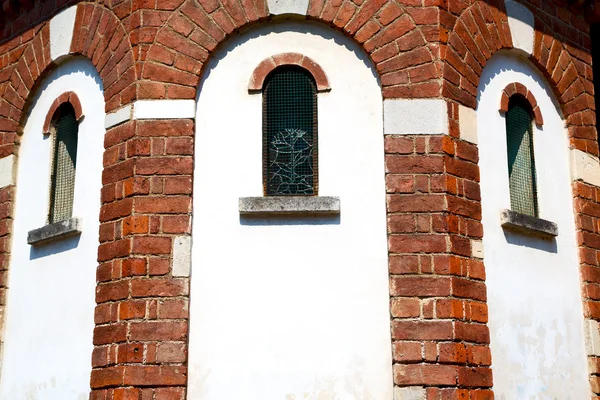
[(66, 97), (100, 37), (267, 65), (394, 37), (478, 32), (517, 88), (569, 72), (481, 29)]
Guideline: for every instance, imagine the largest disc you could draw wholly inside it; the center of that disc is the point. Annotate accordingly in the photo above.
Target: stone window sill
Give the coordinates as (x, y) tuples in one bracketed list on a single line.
[(54, 232), (528, 225), (289, 206)]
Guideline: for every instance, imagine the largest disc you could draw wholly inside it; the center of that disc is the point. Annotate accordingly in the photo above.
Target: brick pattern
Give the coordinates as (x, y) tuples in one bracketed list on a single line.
[(478, 29), (7, 198), (67, 97), (517, 88), (587, 218), (141, 316), (438, 293), (269, 64), (400, 38), (19, 15), (559, 53), (101, 36)]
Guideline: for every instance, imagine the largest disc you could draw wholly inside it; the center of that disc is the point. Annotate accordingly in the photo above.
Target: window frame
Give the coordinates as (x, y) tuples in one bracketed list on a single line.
[(65, 110), (517, 100), (266, 142)]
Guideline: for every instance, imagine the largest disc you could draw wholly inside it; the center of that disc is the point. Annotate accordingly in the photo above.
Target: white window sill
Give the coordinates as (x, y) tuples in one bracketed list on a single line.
[(289, 205), (54, 232), (528, 225)]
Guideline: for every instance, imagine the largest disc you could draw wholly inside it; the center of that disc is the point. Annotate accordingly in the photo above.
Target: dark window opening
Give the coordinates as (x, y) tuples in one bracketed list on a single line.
[(64, 161), (290, 132), (521, 162)]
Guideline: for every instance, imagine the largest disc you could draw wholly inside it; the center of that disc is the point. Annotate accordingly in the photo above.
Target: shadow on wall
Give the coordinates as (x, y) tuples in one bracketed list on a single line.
[(54, 247), (290, 220), (519, 68), (518, 239), (253, 32), (66, 65)]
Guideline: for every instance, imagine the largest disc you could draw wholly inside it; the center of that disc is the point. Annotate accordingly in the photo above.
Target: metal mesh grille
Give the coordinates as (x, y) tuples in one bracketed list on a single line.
[(521, 163), (289, 133), (63, 165)]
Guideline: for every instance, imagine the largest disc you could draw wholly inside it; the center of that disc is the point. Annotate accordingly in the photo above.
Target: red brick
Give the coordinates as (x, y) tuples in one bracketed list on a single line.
[(425, 374), (407, 351), (158, 330), (159, 287), (417, 243), (421, 286), (171, 353), (107, 377), (151, 245), (402, 307), (422, 330)]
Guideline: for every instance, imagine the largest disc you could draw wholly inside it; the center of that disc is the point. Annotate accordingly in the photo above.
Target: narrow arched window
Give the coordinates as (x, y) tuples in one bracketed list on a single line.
[(290, 132), (521, 160), (64, 161)]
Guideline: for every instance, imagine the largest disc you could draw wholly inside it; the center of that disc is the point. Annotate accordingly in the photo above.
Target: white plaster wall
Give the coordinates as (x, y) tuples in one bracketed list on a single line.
[(50, 305), (289, 309), (534, 295)]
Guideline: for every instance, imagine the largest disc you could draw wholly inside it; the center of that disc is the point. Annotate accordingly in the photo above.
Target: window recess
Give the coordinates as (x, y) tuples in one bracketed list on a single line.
[(60, 223), (290, 83), (521, 111)]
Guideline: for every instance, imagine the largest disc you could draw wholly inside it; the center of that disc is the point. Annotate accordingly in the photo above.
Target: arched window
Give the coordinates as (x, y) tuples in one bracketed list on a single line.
[(290, 132), (521, 161), (64, 160)]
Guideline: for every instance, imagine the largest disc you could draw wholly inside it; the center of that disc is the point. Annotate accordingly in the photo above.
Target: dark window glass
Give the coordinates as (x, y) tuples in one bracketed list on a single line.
[(63, 164), (521, 162), (290, 132)]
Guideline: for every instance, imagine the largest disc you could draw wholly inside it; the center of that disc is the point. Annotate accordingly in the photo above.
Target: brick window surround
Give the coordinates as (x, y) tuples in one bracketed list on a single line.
[(518, 88), (67, 97), (266, 66)]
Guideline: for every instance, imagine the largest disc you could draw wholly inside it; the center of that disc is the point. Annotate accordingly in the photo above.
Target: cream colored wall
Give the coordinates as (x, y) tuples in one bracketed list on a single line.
[(50, 304), (534, 295), (289, 309)]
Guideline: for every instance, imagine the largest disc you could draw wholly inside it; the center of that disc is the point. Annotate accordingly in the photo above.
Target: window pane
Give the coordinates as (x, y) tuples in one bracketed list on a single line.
[(521, 164), (289, 129), (63, 171)]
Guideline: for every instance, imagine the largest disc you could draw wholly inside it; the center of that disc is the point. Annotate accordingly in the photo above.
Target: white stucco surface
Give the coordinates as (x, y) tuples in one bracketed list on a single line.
[(282, 308), (61, 32), (7, 171), (119, 116), (585, 167), (415, 117), (51, 296), (467, 119), (277, 7), (164, 109), (534, 295), (521, 23)]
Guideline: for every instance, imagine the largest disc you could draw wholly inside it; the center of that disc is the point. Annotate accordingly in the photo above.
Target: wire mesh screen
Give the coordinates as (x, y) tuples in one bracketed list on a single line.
[(63, 165), (289, 133), (521, 164)]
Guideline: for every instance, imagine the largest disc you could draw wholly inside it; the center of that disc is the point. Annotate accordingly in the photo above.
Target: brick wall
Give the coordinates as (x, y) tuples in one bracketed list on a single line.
[(425, 48), (438, 294), (142, 314)]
